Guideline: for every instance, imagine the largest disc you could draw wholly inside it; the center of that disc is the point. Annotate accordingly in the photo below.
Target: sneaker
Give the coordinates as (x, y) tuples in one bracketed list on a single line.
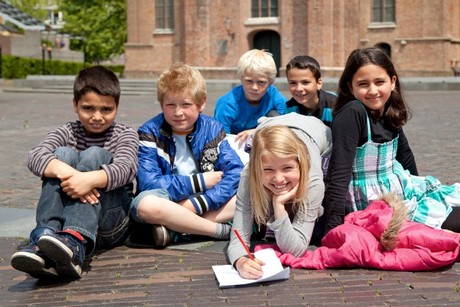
[(67, 251), (31, 261), (161, 236)]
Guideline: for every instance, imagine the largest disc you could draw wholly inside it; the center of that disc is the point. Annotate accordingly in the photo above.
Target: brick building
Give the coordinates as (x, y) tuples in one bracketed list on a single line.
[(422, 36)]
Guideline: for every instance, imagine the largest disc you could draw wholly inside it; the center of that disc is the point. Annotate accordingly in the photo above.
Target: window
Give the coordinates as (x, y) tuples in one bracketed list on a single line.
[(383, 11), (164, 14), (264, 8)]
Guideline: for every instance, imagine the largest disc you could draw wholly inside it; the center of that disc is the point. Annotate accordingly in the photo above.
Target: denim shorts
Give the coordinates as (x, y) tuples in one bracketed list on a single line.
[(162, 193)]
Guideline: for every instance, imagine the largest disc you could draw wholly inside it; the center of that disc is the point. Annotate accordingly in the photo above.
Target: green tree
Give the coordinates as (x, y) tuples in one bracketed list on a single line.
[(34, 8), (99, 26)]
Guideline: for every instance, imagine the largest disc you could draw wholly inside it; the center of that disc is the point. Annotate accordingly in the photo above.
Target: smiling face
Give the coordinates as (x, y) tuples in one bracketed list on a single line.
[(372, 85), (181, 112), (95, 112), (254, 87), (304, 87), (280, 175)]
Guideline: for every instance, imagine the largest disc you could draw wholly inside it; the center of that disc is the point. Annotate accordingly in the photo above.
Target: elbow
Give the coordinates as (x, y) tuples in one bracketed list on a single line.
[(296, 250), (299, 252)]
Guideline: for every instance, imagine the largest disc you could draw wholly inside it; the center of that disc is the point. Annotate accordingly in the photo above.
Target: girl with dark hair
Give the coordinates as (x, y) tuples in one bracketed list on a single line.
[(371, 155)]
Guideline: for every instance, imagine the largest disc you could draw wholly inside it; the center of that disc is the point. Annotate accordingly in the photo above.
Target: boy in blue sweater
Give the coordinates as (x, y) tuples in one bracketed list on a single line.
[(256, 96)]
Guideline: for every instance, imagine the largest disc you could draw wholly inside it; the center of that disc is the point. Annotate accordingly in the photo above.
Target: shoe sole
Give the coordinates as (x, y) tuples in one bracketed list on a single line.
[(163, 233), (61, 255), (32, 264)]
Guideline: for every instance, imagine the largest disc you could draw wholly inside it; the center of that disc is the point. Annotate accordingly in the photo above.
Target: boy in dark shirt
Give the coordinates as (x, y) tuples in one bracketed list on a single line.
[(304, 80)]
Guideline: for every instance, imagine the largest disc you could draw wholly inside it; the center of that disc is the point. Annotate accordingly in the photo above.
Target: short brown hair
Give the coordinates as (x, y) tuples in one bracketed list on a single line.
[(99, 80)]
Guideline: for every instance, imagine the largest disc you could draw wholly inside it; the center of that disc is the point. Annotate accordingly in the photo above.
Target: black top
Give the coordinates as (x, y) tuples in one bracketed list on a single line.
[(324, 110), (349, 131)]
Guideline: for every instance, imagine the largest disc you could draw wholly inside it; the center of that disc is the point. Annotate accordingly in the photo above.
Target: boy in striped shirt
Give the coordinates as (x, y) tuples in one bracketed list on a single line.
[(87, 168)]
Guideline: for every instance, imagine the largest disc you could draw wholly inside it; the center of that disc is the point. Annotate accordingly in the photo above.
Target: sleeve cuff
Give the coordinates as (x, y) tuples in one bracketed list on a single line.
[(200, 203), (198, 183)]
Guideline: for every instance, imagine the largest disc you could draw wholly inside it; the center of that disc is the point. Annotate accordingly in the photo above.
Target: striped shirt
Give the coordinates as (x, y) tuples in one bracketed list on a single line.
[(120, 140)]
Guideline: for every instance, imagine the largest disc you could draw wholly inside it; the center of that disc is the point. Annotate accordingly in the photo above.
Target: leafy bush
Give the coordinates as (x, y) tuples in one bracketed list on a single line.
[(14, 67)]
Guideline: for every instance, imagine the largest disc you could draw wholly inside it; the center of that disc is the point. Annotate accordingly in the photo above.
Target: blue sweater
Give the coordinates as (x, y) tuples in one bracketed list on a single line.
[(236, 114)]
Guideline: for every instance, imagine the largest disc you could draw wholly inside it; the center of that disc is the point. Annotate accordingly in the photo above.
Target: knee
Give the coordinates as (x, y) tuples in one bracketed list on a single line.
[(151, 209), (149, 206), (95, 152), (66, 155), (93, 157)]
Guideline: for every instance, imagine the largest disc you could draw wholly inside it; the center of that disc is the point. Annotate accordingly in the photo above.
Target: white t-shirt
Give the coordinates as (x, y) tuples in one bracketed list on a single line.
[(184, 162)]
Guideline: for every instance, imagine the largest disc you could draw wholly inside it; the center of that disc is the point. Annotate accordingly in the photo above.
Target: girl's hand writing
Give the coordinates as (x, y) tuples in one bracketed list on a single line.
[(249, 269)]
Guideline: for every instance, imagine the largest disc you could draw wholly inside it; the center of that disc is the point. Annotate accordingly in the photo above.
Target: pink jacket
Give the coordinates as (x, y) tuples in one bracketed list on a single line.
[(356, 244)]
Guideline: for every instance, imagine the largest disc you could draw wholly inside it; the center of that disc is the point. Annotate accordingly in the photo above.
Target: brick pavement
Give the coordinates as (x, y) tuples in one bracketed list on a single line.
[(150, 277), (182, 275)]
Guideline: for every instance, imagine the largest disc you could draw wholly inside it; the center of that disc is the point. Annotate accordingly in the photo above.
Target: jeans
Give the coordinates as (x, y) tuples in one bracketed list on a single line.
[(105, 223)]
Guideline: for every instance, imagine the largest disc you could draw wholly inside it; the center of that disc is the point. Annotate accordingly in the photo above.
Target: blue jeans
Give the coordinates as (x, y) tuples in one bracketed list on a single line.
[(103, 224)]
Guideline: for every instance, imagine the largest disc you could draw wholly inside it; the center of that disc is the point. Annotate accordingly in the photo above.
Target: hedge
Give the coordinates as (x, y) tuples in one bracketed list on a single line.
[(14, 67)]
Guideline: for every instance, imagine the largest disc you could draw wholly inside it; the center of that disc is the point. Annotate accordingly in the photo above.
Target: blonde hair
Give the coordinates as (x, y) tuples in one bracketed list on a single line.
[(259, 63), (184, 79), (281, 142)]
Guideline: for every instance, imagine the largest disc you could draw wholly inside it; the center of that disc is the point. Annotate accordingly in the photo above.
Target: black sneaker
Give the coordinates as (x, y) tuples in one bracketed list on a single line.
[(66, 251), (161, 236), (32, 261)]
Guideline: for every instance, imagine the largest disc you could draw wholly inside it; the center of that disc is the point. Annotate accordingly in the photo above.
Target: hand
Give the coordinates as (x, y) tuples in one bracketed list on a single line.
[(249, 269), (279, 202), (92, 197), (212, 178), (243, 136), (282, 199), (78, 185)]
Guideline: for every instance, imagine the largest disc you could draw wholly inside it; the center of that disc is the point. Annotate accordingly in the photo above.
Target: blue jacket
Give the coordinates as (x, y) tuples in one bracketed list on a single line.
[(156, 163)]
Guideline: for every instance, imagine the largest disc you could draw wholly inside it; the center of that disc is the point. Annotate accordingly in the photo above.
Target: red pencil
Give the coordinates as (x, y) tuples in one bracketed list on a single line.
[(244, 244)]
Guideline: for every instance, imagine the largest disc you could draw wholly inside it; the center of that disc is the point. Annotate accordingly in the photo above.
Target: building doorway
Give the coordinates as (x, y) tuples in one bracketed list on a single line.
[(385, 47), (270, 41)]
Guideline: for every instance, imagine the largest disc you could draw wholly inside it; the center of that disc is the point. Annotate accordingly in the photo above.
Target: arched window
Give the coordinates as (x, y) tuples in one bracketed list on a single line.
[(385, 47)]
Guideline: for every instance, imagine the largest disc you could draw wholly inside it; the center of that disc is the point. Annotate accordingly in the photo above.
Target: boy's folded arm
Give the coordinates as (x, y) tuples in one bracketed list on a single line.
[(57, 168), (231, 166), (41, 155), (124, 166), (179, 187), (80, 184)]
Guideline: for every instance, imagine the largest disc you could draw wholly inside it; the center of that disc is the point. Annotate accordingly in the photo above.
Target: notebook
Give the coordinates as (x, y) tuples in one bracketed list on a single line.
[(228, 276)]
